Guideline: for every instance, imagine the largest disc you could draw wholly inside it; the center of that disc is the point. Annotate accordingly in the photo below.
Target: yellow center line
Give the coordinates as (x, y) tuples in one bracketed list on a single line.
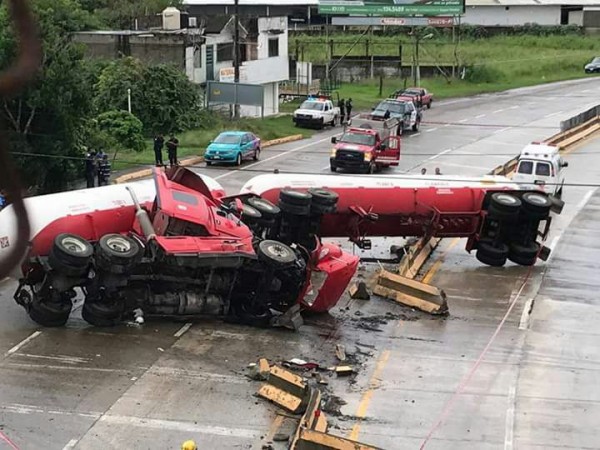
[(436, 266), (361, 411)]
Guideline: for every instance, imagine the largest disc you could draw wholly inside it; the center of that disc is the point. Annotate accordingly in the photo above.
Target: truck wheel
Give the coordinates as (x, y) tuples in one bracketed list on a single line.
[(323, 196), (334, 121), (72, 250), (265, 207), (209, 163), (276, 254), (504, 205), (250, 215), (415, 127), (117, 253), (297, 210), (524, 255), (332, 168), (252, 316), (492, 255), (536, 206), (321, 124), (429, 104), (371, 169), (50, 313), (101, 314), (294, 197)]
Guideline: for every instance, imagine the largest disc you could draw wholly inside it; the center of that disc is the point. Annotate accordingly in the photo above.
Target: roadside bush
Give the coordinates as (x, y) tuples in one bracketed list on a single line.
[(482, 74), (124, 129)]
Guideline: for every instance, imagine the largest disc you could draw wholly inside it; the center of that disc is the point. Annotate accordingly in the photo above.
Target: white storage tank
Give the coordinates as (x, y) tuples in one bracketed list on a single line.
[(171, 18)]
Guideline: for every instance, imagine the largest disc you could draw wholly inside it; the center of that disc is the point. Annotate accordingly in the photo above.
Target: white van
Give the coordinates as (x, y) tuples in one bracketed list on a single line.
[(540, 166)]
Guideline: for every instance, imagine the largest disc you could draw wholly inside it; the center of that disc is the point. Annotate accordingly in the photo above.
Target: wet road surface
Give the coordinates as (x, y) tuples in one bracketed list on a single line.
[(157, 385)]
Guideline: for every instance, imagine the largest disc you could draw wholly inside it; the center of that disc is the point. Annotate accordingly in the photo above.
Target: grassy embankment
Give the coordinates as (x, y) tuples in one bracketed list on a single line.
[(497, 63), (194, 142)]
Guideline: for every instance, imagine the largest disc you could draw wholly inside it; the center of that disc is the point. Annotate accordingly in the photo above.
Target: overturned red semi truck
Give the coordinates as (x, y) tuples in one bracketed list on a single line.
[(179, 246)]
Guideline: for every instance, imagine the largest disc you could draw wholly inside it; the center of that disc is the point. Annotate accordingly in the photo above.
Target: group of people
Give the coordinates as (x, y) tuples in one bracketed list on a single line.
[(345, 110), (97, 167), (172, 144), (437, 171)]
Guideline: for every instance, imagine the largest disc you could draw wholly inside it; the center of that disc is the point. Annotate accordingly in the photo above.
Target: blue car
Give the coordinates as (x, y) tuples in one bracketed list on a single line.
[(233, 147)]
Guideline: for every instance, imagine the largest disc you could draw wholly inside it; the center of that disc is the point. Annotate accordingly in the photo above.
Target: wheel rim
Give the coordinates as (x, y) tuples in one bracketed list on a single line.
[(537, 200), (278, 250), (74, 245), (506, 199), (118, 244)]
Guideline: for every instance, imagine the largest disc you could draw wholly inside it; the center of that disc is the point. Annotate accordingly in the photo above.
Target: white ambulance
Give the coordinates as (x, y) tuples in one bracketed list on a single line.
[(540, 166)]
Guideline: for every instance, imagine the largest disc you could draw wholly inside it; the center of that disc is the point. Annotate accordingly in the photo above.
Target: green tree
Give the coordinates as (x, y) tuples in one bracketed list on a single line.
[(124, 129), (48, 118), (162, 96)]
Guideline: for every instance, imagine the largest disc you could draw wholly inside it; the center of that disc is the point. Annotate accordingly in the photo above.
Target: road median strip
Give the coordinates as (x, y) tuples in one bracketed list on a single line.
[(193, 160)]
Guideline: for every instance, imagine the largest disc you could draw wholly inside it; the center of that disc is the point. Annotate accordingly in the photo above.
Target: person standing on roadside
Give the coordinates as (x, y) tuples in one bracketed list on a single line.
[(91, 168), (349, 109), (103, 171), (172, 145), (341, 105), (438, 171), (159, 142)]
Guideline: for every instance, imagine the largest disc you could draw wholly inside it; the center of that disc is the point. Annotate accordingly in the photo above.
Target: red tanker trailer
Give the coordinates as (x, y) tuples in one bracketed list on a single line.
[(500, 221)]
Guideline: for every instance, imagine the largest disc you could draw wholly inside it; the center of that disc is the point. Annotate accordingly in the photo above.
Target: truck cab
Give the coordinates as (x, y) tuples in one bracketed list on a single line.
[(364, 150), (540, 166)]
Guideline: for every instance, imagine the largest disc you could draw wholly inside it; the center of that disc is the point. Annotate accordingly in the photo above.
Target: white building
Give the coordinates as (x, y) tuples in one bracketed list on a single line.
[(263, 55)]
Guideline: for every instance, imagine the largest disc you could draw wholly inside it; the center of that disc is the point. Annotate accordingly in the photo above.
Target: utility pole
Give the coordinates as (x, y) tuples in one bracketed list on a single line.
[(129, 100), (418, 67), (236, 56)]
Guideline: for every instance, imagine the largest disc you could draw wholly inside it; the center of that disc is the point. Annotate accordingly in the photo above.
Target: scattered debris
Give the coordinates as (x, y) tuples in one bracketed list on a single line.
[(359, 291), (333, 405), (340, 352), (365, 345), (138, 315), (411, 292), (300, 364), (291, 319), (285, 389), (281, 437), (160, 349), (343, 371), (260, 371)]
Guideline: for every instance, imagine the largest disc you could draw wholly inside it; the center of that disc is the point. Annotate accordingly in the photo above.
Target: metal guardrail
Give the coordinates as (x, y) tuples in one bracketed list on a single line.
[(580, 119)]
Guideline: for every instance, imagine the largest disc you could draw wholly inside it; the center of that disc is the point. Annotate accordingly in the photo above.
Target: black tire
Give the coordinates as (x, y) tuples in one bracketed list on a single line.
[(209, 163), (250, 213), (321, 125), (72, 250), (429, 105), (298, 210), (64, 268), (118, 249), (371, 169), (415, 127), (536, 205), (259, 319), (265, 207), (50, 314), (238, 159), (524, 255), (323, 196), (332, 168), (276, 254), (319, 209), (492, 255), (256, 156), (503, 205), (101, 314), (295, 197)]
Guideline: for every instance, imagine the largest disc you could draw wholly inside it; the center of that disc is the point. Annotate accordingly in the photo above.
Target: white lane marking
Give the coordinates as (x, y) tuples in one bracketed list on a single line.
[(415, 135), (510, 417), (278, 155), (498, 111), (480, 116), (466, 166), (430, 130), (553, 114), (447, 125), (172, 425), (17, 408), (59, 358), (71, 444), (439, 154), (22, 343), (526, 314), (463, 120), (502, 130), (183, 329), (514, 107), (579, 207), (586, 90), (40, 367)]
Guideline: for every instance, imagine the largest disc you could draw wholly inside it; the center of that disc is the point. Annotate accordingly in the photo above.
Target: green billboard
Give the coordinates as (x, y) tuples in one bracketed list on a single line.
[(392, 7)]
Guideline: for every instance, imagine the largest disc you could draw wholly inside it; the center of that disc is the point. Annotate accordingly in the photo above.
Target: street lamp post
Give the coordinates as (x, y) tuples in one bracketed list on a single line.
[(417, 68)]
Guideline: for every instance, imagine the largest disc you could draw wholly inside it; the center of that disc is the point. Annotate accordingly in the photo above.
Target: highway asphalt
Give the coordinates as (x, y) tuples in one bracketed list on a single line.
[(157, 385)]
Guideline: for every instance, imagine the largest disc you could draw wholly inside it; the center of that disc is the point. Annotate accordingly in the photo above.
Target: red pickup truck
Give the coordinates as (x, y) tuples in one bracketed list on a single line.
[(364, 149), (423, 96)]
